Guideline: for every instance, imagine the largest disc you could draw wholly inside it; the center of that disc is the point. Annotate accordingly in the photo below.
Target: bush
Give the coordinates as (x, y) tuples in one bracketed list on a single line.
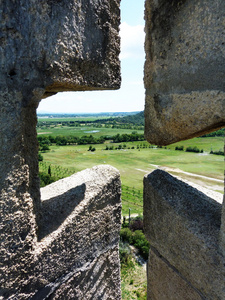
[(179, 148), (45, 148), (140, 242), (220, 152), (45, 179), (137, 224), (194, 149), (125, 255), (40, 157), (136, 238), (126, 235)]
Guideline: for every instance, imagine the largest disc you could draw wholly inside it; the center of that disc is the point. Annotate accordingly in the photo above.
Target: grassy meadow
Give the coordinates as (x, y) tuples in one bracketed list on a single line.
[(133, 164), (83, 130)]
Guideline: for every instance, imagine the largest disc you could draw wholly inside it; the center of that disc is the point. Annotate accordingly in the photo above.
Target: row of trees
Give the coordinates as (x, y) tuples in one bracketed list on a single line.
[(197, 150), (84, 140), (189, 149)]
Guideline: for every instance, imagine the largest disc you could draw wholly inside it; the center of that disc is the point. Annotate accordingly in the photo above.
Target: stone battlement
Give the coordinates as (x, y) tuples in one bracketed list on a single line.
[(62, 242)]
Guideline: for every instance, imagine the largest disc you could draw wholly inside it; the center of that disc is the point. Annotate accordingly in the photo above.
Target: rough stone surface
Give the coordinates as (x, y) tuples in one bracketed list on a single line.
[(59, 45), (165, 282), (184, 69), (76, 256), (46, 47), (222, 231), (183, 225)]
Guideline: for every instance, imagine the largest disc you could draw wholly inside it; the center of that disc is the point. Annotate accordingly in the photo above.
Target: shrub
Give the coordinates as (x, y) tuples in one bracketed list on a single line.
[(140, 242), (220, 152), (45, 148), (136, 238), (125, 254), (193, 149), (137, 224), (45, 179), (40, 157), (126, 235), (179, 148)]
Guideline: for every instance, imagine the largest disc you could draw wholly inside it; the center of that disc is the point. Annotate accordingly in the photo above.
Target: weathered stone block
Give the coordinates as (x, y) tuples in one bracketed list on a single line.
[(46, 47), (166, 283), (59, 45), (184, 69), (76, 256), (184, 226)]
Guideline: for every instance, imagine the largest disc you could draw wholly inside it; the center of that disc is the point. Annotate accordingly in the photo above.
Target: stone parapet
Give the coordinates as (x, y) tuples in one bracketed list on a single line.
[(76, 255), (47, 47), (183, 228)]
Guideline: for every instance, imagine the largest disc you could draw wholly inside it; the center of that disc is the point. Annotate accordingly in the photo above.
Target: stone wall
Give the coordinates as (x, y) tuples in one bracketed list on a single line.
[(184, 80), (49, 249), (65, 246)]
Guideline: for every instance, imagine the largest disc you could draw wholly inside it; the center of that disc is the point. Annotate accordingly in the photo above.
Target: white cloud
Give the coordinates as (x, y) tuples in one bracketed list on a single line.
[(132, 41)]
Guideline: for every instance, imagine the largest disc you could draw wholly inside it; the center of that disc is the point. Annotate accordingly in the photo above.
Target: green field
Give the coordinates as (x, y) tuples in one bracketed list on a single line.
[(133, 164), (83, 130)]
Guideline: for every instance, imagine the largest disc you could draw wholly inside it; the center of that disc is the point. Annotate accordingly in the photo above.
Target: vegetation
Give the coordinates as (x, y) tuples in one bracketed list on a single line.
[(104, 120), (220, 132), (194, 149), (219, 152), (70, 145), (45, 141), (179, 148), (133, 274), (132, 233)]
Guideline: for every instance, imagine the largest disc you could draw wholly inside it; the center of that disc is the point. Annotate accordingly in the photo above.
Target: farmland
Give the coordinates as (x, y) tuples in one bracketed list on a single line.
[(67, 152), (132, 159)]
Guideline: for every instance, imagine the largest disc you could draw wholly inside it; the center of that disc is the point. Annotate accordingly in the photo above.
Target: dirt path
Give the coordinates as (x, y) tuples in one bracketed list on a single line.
[(179, 171), (210, 186)]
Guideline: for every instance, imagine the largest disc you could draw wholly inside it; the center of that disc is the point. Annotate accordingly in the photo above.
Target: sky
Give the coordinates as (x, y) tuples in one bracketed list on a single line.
[(130, 97)]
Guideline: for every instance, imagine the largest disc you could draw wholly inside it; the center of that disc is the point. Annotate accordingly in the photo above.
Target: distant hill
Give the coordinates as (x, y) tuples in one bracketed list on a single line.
[(74, 115), (137, 119)]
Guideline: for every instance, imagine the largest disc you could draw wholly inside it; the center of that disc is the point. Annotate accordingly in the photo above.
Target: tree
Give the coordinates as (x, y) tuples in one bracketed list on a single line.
[(49, 171), (40, 157), (45, 148)]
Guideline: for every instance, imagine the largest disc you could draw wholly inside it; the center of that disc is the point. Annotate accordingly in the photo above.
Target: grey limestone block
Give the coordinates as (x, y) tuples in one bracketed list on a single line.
[(45, 47), (184, 69), (166, 283), (183, 228), (76, 253), (59, 45)]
